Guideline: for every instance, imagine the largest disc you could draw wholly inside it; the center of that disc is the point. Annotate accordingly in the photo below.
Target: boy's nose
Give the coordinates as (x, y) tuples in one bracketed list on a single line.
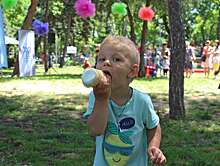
[(106, 62)]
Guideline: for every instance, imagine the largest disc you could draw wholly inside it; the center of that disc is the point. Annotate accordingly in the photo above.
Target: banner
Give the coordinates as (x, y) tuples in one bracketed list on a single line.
[(3, 53), (26, 53)]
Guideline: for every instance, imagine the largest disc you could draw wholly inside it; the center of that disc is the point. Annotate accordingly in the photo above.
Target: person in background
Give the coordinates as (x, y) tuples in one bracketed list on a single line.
[(165, 53), (86, 63), (216, 59), (189, 58), (85, 55), (85, 52), (193, 48), (122, 119), (207, 50)]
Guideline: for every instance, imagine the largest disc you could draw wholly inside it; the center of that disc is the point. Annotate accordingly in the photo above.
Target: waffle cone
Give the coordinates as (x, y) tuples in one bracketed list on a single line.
[(91, 77)]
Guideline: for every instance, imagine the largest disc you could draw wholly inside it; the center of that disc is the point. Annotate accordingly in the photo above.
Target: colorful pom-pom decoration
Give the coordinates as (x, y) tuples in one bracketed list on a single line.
[(40, 28), (119, 8), (7, 4), (146, 13), (84, 8)]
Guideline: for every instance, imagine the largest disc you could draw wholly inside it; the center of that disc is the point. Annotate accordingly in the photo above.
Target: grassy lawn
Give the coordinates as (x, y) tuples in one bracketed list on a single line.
[(40, 120)]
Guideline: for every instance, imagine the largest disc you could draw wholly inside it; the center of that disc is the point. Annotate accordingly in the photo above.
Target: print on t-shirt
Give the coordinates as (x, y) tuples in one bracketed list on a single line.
[(117, 144)]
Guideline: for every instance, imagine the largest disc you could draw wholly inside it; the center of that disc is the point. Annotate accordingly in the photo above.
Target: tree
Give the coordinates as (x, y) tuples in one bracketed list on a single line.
[(178, 51), (14, 17), (218, 27), (143, 42), (26, 25)]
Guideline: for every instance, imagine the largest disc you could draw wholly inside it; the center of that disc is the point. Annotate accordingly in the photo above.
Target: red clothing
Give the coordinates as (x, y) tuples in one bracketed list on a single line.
[(86, 64)]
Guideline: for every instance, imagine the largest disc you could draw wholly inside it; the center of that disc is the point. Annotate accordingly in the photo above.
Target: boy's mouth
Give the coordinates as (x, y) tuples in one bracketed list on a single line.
[(107, 73)]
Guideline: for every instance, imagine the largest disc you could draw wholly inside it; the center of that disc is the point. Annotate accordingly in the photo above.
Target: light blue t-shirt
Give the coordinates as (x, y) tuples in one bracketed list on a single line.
[(125, 140)]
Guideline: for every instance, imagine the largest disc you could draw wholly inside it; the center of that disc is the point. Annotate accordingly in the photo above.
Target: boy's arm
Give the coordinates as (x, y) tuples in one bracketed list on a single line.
[(154, 152), (97, 121), (154, 136)]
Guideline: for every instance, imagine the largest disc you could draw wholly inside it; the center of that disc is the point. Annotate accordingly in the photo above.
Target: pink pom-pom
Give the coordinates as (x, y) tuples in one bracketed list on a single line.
[(84, 8), (146, 13)]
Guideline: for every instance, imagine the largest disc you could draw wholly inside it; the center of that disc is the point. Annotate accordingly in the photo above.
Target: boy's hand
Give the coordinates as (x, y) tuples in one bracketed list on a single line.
[(156, 155), (103, 90)]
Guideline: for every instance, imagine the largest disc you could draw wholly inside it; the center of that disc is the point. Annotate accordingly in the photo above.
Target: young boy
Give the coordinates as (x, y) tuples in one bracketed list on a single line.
[(122, 118)]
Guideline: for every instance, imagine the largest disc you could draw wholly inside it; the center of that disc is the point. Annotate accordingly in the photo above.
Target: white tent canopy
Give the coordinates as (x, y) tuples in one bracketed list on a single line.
[(10, 40)]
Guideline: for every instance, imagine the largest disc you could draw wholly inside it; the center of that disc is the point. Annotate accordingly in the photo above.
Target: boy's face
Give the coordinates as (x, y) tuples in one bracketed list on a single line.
[(116, 60)]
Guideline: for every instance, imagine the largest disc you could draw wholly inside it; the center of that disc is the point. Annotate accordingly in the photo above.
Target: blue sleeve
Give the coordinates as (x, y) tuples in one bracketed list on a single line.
[(90, 105), (151, 119)]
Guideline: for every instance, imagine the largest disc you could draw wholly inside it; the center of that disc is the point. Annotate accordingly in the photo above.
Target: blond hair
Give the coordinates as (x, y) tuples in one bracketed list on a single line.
[(121, 41)]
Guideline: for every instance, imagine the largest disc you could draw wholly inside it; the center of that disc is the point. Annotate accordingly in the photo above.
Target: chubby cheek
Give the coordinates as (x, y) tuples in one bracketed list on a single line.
[(98, 66), (118, 78)]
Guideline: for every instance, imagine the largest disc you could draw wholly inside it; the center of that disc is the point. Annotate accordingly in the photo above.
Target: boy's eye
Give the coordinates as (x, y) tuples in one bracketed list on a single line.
[(101, 59), (116, 59)]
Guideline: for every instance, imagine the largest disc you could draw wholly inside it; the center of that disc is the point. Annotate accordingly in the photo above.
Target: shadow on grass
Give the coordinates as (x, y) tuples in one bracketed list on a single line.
[(193, 140), (199, 102), (44, 130), (48, 130)]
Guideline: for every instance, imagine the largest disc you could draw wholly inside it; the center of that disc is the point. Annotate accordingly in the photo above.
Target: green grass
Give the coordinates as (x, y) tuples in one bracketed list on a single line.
[(41, 124)]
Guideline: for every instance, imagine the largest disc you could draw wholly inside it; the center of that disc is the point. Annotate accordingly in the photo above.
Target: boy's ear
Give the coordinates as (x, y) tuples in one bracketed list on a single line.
[(134, 71)]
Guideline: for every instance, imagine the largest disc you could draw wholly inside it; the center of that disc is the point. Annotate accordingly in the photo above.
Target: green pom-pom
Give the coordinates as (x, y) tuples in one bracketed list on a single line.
[(7, 4), (119, 8)]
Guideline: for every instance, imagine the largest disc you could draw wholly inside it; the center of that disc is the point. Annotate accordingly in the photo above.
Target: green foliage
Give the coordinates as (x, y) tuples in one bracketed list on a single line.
[(56, 8), (200, 21), (8, 4), (15, 16)]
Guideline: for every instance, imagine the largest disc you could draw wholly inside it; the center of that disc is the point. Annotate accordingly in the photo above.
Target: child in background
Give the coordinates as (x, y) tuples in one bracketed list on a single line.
[(86, 63), (122, 119), (165, 53)]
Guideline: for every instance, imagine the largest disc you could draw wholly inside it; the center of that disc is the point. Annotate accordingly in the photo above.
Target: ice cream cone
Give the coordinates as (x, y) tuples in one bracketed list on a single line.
[(91, 77)]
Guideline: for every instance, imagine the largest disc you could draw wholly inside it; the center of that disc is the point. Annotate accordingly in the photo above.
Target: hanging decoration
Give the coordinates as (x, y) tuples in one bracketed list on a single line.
[(40, 28), (119, 8), (146, 13), (84, 8), (7, 4)]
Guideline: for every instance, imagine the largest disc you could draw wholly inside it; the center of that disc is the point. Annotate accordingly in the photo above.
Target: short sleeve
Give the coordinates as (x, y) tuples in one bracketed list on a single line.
[(151, 119), (90, 105)]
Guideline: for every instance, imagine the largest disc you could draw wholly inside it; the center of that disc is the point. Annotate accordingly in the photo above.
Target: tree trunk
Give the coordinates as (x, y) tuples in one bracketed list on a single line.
[(26, 25), (143, 42), (85, 30), (178, 51), (62, 59), (142, 49), (218, 30), (166, 24), (131, 21)]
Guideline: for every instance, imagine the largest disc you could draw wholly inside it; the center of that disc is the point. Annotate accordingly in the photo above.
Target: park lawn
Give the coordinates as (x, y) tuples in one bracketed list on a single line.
[(41, 124)]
